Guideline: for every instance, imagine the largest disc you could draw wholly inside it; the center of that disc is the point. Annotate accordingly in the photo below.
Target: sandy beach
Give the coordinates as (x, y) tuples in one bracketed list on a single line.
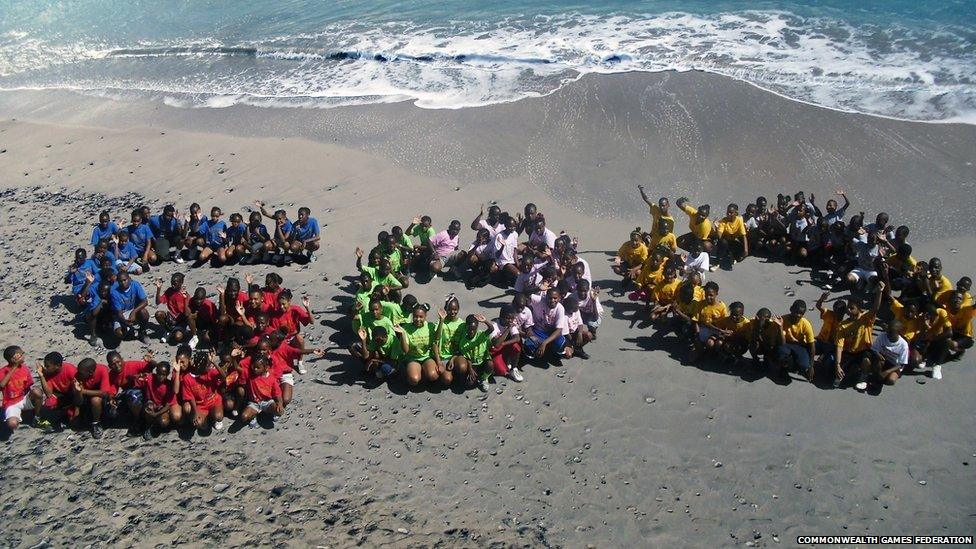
[(631, 447)]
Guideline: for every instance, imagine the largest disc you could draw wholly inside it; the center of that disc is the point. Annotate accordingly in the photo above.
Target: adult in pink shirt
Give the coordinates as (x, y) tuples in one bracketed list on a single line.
[(444, 248)]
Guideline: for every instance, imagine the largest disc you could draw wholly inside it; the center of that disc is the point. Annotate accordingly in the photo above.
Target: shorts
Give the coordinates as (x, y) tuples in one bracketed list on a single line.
[(704, 333), (887, 365), (14, 410), (592, 321), (257, 247), (162, 246), (539, 334), (799, 354), (135, 268), (287, 379), (262, 406), (132, 397), (853, 360), (215, 247), (116, 324), (863, 274), (450, 259), (826, 351), (176, 321)]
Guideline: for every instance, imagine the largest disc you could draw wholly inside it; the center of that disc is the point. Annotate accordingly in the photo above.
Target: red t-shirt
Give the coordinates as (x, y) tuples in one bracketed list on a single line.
[(285, 352), (271, 299), (251, 313), (174, 300), (158, 391), (64, 380), (200, 388), (98, 381), (292, 319), (18, 385), (277, 367), (264, 387), (128, 376), (258, 335), (206, 312)]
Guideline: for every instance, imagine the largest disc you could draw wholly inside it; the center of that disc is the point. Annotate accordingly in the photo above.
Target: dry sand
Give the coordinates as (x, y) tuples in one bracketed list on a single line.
[(630, 447)]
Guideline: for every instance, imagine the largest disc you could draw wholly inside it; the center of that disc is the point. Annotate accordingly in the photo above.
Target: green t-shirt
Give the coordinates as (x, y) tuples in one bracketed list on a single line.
[(396, 261), (423, 234), (447, 347), (388, 349), (405, 241), (363, 298), (419, 340), (389, 281), (394, 311), (368, 321), (475, 349)]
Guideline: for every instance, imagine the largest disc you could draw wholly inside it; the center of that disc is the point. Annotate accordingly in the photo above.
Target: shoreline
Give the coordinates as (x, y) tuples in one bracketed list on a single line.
[(617, 450)]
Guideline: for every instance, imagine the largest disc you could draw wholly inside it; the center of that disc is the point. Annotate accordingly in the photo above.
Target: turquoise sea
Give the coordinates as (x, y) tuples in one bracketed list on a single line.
[(905, 59)]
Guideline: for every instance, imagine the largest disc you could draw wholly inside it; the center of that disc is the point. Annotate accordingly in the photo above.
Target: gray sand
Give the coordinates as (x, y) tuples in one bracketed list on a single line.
[(630, 447)]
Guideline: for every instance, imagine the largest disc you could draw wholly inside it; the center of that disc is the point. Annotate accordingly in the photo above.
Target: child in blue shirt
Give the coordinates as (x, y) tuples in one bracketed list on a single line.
[(260, 243), (141, 237), (167, 235), (214, 233), (127, 257), (236, 238), (305, 233), (130, 305), (105, 229)]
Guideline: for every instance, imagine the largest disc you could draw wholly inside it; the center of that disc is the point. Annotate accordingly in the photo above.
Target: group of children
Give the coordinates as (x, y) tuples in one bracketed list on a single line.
[(148, 240), (101, 280), (555, 311), (927, 324), (253, 340), (197, 388)]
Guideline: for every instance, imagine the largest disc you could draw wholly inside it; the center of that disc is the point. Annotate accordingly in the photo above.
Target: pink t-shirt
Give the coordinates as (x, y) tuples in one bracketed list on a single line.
[(443, 244), (548, 318)]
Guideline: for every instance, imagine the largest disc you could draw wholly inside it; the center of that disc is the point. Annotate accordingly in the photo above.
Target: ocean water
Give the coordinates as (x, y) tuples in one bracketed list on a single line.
[(912, 60)]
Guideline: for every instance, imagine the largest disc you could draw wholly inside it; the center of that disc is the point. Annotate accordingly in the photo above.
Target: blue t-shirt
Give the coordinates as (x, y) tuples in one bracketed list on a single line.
[(307, 231), (140, 235), (93, 299), (129, 299), (99, 234), (128, 251), (235, 235), (210, 231), (161, 228), (259, 233), (286, 227), (78, 277)]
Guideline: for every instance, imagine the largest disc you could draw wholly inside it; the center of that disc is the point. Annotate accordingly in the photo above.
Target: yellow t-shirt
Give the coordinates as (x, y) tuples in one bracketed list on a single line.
[(828, 332), (702, 230), (962, 321), (910, 327), (798, 331), (899, 265), (650, 275), (943, 299), (945, 286), (657, 216), (711, 314), (692, 308), (669, 241), (740, 328), (854, 334), (731, 229), (664, 292), (938, 326), (631, 255)]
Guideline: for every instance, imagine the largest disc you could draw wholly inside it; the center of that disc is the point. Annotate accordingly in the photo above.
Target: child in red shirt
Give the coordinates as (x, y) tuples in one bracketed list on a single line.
[(263, 391), (123, 380), (290, 320), (16, 382), (173, 320), (279, 368), (91, 389), (202, 318), (160, 389), (200, 389), (57, 379)]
